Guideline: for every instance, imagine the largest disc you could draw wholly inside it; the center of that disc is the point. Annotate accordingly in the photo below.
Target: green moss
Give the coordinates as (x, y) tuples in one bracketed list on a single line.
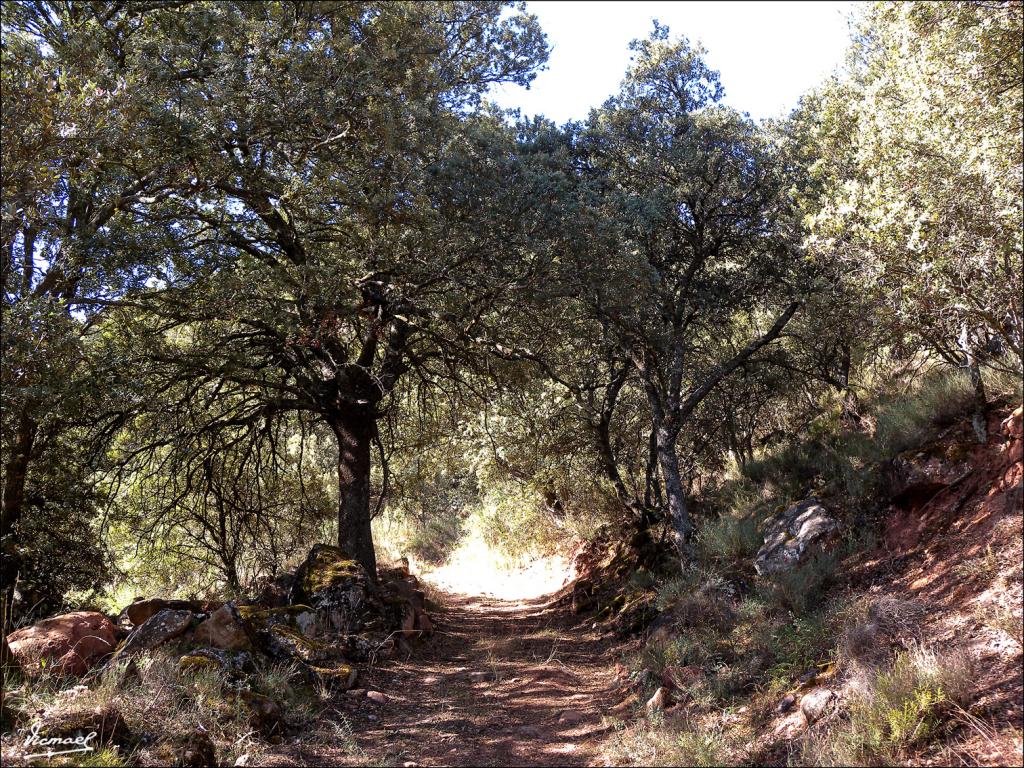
[(328, 567), (341, 672), (258, 615), (194, 661)]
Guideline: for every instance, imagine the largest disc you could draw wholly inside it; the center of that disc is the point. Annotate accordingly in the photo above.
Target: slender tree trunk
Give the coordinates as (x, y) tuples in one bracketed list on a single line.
[(354, 430), (16, 475), (970, 362), (679, 515)]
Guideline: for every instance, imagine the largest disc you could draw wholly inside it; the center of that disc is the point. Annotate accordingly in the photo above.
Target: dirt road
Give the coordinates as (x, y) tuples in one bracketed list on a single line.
[(501, 683)]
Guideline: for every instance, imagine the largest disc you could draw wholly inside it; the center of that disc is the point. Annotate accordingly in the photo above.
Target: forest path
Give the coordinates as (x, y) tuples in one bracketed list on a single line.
[(500, 683)]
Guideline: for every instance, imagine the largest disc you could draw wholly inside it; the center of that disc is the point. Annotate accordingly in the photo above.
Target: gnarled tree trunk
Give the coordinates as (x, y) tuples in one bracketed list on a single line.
[(679, 514), (355, 429)]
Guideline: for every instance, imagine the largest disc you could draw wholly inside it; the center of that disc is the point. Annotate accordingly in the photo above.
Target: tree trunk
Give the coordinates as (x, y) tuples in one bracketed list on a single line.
[(16, 475), (970, 363), (354, 430), (679, 515)]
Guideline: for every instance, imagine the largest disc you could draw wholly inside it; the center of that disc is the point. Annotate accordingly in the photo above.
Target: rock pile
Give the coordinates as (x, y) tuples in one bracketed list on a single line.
[(332, 617)]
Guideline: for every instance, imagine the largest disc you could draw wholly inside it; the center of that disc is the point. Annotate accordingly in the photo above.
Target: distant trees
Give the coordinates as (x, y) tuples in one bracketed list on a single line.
[(704, 269)]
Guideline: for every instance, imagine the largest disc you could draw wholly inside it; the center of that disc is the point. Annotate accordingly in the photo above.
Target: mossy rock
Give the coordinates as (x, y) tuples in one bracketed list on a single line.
[(192, 662), (287, 641), (299, 616), (340, 677), (327, 567)]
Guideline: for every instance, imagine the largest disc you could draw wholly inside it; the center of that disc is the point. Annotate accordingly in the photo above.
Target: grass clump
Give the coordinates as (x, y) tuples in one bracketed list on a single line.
[(654, 743), (894, 709)]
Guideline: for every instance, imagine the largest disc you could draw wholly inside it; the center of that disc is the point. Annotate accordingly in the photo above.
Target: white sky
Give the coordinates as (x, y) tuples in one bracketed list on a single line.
[(768, 53)]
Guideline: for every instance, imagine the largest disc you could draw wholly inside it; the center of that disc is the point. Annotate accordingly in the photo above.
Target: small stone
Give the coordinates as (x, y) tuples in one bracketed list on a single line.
[(356, 693), (658, 701), (242, 760), (787, 703), (377, 697), (571, 717)]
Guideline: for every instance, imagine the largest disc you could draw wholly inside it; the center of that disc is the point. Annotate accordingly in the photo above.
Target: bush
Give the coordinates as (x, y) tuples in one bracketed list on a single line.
[(655, 744), (729, 539), (894, 708), (796, 589)]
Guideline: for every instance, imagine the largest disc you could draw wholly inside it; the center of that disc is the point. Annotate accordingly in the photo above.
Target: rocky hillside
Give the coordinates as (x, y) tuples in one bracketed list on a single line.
[(822, 636)]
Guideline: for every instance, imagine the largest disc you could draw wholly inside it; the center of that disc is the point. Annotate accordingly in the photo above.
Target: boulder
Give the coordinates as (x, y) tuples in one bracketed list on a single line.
[(792, 534), (336, 586), (157, 630), (142, 611), (236, 664), (786, 703), (288, 633), (69, 644), (337, 676), (424, 623), (275, 592), (814, 704), (224, 629)]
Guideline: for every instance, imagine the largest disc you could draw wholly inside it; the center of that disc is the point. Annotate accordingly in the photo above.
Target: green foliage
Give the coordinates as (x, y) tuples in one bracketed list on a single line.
[(729, 538), (895, 708), (800, 588), (908, 420), (916, 181)]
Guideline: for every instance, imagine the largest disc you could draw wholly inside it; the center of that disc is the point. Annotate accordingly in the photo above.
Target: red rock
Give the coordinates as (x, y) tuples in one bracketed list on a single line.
[(70, 643), (142, 611), (423, 623)]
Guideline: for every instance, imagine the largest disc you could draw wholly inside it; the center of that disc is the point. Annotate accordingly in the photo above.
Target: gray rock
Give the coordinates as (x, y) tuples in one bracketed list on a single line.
[(157, 630), (786, 704), (336, 586), (815, 702), (792, 534), (658, 701)]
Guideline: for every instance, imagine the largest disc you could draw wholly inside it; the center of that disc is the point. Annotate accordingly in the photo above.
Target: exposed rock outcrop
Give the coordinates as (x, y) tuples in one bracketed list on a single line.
[(69, 644), (224, 629), (792, 535), (157, 630)]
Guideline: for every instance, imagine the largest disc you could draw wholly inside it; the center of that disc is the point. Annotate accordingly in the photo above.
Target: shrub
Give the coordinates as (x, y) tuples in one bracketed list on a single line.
[(798, 588), (801, 644), (894, 708), (649, 743), (729, 538)]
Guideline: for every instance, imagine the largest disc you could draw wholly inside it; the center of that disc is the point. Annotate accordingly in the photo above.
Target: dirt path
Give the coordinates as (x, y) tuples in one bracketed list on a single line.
[(499, 684)]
